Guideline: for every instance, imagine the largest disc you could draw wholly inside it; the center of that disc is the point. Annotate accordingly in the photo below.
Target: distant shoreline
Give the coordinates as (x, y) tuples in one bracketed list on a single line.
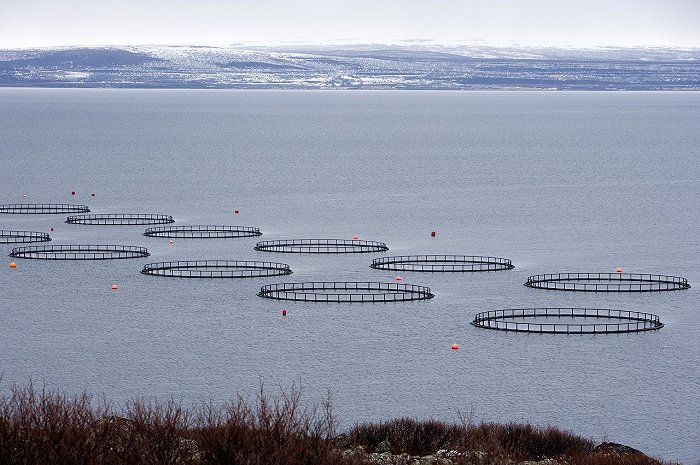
[(377, 89), (353, 67)]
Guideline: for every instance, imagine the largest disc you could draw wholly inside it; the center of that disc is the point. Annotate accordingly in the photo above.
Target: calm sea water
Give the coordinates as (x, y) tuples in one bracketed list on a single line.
[(555, 181)]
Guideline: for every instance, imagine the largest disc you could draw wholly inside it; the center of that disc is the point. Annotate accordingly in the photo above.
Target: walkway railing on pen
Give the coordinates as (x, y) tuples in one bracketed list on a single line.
[(79, 252), (442, 263), (202, 232), (120, 219), (502, 320), (216, 269), (345, 292), (321, 246), (42, 208), (607, 282), (17, 237)]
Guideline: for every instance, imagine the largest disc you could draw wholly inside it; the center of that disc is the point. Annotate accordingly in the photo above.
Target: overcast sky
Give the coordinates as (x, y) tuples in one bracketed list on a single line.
[(30, 23)]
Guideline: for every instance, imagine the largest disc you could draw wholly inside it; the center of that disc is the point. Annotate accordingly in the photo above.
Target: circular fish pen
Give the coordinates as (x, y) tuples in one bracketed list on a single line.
[(120, 219), (18, 237), (216, 269), (321, 246), (202, 232), (607, 282), (355, 292), (79, 252), (625, 321), (42, 208), (442, 263)]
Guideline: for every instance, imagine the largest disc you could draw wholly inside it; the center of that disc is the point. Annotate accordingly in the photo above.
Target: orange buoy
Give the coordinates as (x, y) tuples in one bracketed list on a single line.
[(619, 270), (455, 346), (284, 312), (114, 287), (354, 237), (13, 265), (399, 278), (236, 212), (432, 234)]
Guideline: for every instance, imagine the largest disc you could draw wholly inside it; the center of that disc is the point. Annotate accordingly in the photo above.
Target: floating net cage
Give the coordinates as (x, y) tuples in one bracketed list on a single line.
[(216, 269), (79, 252), (202, 232), (607, 282), (42, 208), (626, 322), (120, 219), (321, 246), (17, 237), (442, 263), (345, 292)]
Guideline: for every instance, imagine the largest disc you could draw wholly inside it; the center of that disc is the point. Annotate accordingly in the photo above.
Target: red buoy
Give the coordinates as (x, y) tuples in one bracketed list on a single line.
[(51, 229), (455, 346), (432, 234), (72, 193), (619, 270), (284, 312), (236, 212), (92, 195), (354, 237), (399, 278), (114, 287)]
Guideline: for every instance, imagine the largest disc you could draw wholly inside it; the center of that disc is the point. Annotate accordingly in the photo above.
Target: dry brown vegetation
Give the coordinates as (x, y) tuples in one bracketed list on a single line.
[(40, 426), (520, 442), (490, 443)]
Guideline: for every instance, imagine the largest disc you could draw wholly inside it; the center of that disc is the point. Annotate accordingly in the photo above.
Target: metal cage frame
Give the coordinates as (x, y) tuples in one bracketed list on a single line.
[(202, 232), (120, 219), (442, 263), (42, 208), (351, 292), (607, 282), (500, 320), (321, 246), (216, 269), (79, 252)]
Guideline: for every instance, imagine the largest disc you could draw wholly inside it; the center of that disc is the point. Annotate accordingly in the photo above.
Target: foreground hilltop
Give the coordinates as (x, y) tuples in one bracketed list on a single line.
[(353, 66), (39, 426)]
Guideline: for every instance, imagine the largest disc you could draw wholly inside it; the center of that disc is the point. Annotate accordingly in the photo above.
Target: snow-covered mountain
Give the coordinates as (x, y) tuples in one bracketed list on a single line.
[(354, 66)]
